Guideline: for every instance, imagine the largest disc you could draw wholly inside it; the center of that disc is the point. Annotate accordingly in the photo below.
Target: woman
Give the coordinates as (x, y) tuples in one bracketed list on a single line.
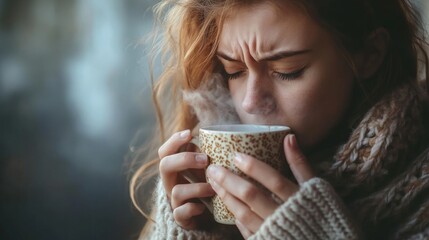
[(343, 75)]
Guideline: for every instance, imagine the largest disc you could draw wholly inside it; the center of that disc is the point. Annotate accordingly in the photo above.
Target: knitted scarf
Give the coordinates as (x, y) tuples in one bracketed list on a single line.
[(381, 172)]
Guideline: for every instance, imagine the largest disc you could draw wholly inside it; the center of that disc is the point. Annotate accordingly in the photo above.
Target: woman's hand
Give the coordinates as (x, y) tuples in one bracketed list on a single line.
[(249, 204), (180, 192)]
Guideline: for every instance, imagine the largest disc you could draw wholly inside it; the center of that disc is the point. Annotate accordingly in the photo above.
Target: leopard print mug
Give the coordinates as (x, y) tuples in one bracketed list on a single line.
[(220, 142)]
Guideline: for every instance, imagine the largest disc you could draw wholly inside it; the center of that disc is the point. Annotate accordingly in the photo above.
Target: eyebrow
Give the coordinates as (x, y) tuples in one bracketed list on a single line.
[(273, 57)]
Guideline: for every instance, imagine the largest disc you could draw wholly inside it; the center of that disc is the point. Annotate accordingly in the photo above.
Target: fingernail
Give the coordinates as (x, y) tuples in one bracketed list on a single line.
[(213, 171), (185, 133), (201, 158), (238, 158)]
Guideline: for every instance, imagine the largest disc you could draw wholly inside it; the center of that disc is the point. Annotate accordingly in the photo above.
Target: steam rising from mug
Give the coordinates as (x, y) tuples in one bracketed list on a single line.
[(212, 102)]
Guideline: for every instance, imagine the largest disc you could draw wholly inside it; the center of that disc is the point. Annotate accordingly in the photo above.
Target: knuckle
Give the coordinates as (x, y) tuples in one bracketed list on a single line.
[(163, 164), (248, 193), (177, 215), (187, 209), (182, 213), (278, 185), (243, 216), (221, 176), (161, 151), (181, 219), (165, 148), (248, 166), (176, 193)]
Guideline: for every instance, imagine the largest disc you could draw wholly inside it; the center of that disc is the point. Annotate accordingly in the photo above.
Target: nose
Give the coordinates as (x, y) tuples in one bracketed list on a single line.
[(259, 98)]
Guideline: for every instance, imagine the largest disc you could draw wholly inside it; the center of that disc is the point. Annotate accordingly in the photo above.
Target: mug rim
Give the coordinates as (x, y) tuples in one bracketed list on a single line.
[(232, 128)]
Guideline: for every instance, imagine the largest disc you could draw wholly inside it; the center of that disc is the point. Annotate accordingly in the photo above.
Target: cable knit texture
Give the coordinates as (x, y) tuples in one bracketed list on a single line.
[(167, 228), (376, 185), (315, 212)]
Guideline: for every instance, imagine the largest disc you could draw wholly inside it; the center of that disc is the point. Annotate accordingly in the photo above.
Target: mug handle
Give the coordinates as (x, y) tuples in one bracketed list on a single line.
[(192, 179)]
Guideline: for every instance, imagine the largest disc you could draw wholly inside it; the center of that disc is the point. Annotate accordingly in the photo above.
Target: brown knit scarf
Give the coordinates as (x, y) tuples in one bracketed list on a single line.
[(381, 172)]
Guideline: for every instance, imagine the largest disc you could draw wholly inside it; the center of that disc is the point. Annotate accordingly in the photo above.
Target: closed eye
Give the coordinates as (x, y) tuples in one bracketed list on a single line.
[(290, 76), (283, 76), (231, 76)]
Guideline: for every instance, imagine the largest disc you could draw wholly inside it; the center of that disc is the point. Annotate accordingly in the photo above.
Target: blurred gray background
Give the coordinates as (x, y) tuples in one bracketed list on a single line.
[(74, 92)]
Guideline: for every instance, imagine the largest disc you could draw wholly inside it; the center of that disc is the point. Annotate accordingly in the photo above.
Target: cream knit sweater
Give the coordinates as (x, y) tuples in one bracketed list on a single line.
[(375, 187)]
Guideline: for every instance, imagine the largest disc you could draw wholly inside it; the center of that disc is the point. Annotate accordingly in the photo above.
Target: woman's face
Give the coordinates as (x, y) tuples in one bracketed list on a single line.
[(283, 68)]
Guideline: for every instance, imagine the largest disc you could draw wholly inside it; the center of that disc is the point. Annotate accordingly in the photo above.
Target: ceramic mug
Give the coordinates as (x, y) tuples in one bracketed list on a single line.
[(220, 142)]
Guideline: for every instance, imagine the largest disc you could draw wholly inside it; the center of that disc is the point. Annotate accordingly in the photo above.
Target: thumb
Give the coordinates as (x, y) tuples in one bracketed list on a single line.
[(297, 161)]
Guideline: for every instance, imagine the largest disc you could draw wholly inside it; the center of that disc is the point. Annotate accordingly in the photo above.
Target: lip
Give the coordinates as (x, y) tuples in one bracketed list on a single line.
[(269, 119)]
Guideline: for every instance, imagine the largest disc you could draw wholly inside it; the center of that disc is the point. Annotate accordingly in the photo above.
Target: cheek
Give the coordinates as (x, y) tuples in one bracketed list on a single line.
[(237, 91), (319, 105)]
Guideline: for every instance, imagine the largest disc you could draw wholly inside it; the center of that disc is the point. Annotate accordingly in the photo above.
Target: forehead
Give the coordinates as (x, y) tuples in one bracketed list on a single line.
[(267, 26)]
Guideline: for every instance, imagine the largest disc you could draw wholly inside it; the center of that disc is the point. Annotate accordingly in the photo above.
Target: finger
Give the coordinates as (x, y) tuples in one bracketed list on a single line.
[(184, 214), (297, 161), (173, 144), (171, 165), (258, 170), (243, 230), (182, 161), (247, 192), (182, 193), (240, 210)]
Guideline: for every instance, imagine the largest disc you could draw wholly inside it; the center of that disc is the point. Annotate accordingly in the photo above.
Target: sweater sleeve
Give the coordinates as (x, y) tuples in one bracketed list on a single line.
[(314, 212), (166, 228)]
